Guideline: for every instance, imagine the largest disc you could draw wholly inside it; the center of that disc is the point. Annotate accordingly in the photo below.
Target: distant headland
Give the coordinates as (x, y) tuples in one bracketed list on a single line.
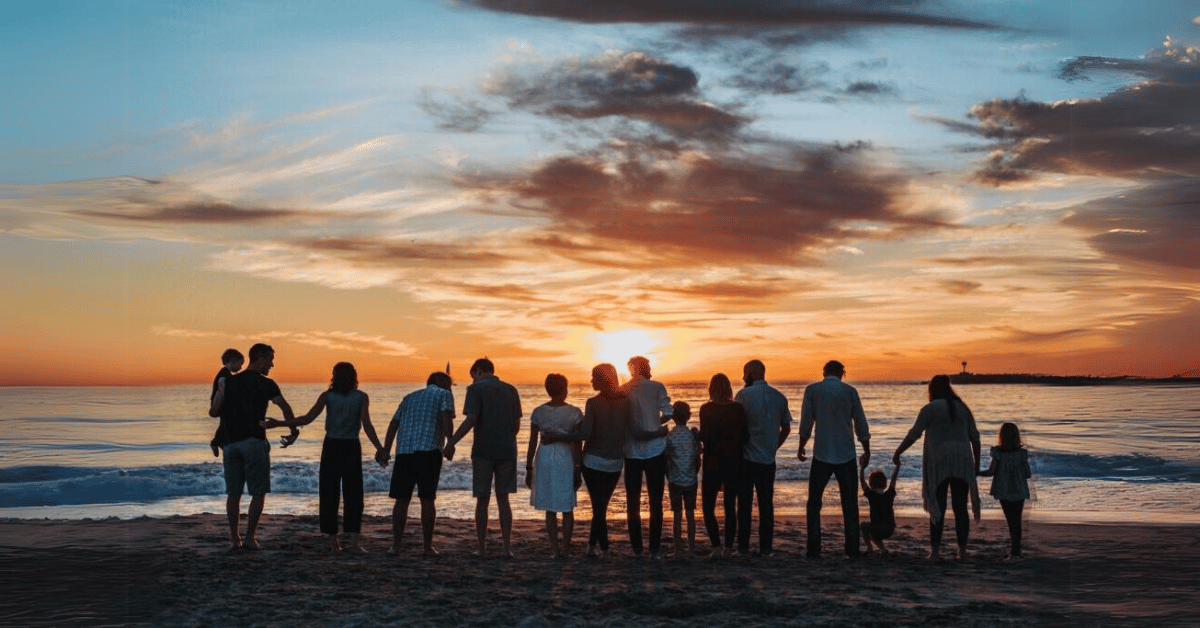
[(1065, 380)]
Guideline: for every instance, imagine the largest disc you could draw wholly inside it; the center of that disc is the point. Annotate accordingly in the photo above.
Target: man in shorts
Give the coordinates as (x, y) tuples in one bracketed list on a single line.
[(422, 421), (242, 406), (493, 410)]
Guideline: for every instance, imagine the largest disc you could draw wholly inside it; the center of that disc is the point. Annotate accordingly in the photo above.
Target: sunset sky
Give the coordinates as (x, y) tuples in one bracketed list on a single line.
[(554, 183)]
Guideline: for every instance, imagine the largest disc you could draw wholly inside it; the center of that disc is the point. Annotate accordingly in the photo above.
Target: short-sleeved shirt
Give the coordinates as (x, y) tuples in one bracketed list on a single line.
[(835, 410), (683, 448), (766, 411), (883, 511), (419, 419), (497, 408), (723, 434), (245, 404), (343, 414)]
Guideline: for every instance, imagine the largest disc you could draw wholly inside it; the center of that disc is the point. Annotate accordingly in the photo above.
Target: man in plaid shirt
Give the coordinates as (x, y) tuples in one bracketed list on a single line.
[(422, 421)]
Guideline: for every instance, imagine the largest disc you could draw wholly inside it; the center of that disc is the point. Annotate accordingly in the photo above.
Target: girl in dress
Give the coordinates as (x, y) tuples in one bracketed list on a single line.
[(1010, 474), (552, 470)]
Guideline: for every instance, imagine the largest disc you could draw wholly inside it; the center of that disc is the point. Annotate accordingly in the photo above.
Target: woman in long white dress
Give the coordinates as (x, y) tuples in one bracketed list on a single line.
[(552, 469)]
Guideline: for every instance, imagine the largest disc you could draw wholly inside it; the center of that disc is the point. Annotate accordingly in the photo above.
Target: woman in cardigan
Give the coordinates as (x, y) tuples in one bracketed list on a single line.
[(949, 461)]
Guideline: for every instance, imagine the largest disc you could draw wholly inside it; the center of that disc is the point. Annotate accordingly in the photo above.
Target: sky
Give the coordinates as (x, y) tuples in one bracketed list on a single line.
[(901, 185)]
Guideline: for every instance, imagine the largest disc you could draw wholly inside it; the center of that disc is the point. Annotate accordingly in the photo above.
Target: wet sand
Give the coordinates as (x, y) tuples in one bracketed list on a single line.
[(179, 572)]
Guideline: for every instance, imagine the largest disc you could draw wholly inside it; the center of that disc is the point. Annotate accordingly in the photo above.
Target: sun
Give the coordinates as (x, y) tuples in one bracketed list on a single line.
[(616, 347)]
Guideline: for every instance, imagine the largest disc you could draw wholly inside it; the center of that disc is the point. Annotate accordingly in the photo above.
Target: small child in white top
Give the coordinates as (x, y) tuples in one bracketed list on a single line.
[(683, 462)]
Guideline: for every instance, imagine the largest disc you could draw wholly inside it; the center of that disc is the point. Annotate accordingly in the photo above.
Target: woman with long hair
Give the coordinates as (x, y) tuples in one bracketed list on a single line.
[(347, 411), (949, 461), (723, 432), (606, 419)]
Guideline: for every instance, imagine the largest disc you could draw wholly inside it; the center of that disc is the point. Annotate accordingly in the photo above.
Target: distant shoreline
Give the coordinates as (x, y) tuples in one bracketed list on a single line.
[(1065, 380)]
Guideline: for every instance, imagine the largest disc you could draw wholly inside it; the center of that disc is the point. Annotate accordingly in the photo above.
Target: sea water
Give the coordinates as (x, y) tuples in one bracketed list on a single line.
[(1099, 453)]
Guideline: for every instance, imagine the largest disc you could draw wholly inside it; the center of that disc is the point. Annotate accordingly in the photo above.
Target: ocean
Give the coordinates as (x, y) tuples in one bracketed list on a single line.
[(1121, 453)]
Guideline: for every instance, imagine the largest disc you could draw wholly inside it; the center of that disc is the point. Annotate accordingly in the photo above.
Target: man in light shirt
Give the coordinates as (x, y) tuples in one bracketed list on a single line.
[(769, 422), (835, 409), (419, 426), (645, 453)]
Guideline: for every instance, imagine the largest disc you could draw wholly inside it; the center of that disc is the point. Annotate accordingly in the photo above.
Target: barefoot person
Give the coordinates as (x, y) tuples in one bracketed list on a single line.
[(722, 437), (606, 420), (949, 461), (493, 410), (242, 406), (834, 409), (552, 468), (644, 454), (347, 412), (768, 423), (420, 426)]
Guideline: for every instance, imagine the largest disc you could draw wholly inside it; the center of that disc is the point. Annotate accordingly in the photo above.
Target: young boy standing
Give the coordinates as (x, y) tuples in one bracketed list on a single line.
[(683, 462)]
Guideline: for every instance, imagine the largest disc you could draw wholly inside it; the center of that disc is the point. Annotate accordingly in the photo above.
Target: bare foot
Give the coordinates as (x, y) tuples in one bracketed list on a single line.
[(961, 554), (883, 553), (334, 546), (593, 551), (251, 543), (431, 552), (358, 550)]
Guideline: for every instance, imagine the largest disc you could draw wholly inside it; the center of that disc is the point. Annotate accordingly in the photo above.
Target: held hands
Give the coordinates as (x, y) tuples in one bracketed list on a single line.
[(285, 441), (382, 456), (896, 459), (863, 460), (448, 452)]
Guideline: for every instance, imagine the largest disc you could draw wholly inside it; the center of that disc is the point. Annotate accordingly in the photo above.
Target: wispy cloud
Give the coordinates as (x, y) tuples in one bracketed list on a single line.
[(335, 340)]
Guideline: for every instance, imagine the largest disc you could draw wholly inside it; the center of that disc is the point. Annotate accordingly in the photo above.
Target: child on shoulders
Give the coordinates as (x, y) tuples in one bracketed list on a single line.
[(231, 363)]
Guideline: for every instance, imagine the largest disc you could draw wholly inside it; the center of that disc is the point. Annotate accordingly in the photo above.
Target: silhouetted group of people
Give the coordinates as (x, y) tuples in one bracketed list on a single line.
[(622, 431)]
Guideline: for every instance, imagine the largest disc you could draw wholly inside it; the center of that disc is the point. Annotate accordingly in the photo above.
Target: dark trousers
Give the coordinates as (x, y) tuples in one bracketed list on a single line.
[(712, 483), (655, 470), (959, 489), (818, 479), (1012, 514), (756, 478), (341, 472), (600, 487)]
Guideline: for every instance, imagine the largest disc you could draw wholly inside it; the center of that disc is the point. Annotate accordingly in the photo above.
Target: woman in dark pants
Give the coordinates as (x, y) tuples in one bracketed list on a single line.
[(722, 434), (606, 419), (949, 461), (347, 410)]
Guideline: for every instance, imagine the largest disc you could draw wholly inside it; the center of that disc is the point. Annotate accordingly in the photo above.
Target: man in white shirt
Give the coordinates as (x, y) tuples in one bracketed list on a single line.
[(835, 409), (645, 453), (768, 421)]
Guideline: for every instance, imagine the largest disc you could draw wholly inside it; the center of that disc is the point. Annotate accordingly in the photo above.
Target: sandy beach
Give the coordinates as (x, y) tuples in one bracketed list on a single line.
[(179, 572)]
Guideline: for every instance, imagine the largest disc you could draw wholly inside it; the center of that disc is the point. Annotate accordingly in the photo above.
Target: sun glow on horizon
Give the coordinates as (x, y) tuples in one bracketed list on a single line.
[(616, 347)]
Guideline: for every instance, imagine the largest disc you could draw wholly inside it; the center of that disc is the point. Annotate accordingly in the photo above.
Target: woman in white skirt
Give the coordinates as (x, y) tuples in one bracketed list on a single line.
[(552, 471)]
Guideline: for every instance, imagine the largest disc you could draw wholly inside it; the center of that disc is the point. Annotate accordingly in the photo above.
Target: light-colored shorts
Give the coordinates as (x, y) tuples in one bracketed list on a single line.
[(482, 471), (248, 463)]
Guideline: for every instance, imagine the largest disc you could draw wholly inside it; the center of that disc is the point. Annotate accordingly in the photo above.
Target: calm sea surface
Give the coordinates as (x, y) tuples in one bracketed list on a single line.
[(1107, 453)]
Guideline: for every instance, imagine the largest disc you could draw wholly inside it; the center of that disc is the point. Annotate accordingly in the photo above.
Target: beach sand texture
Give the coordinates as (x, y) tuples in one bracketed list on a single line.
[(179, 572)]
